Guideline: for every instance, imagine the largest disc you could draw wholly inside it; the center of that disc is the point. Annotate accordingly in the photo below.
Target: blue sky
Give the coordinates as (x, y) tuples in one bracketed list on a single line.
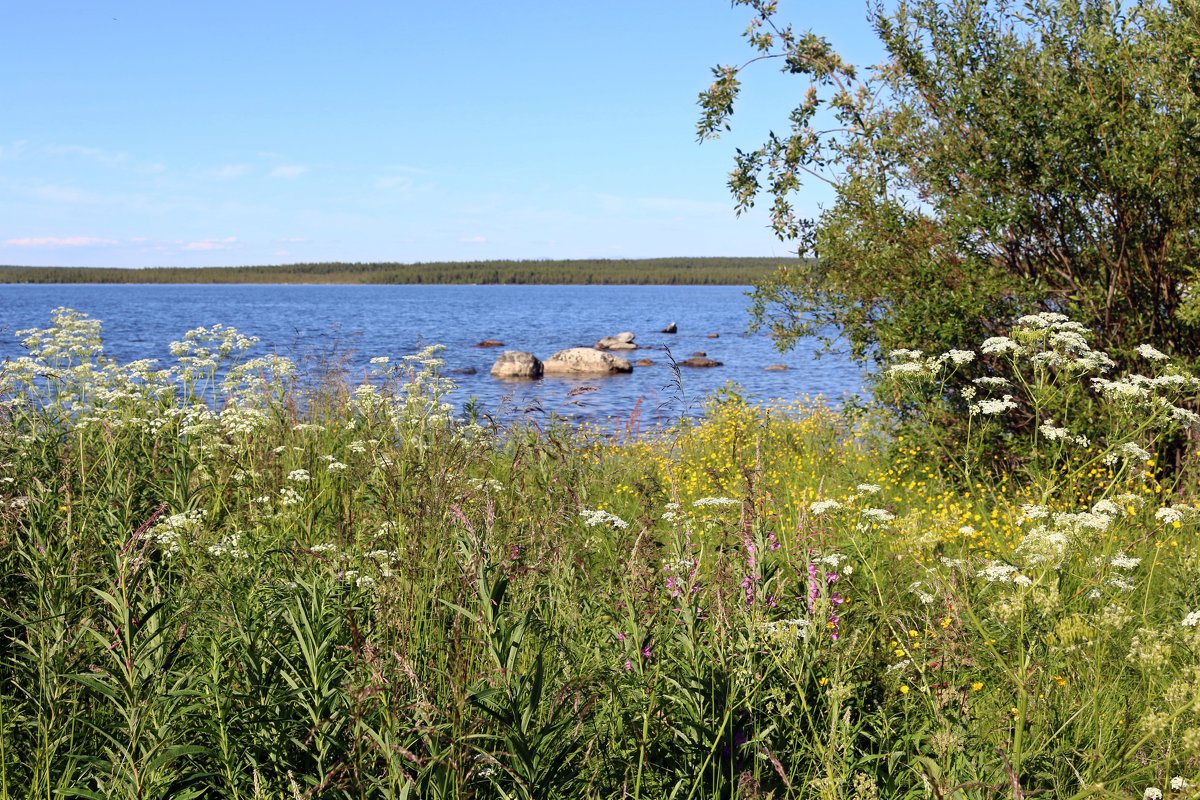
[(225, 133)]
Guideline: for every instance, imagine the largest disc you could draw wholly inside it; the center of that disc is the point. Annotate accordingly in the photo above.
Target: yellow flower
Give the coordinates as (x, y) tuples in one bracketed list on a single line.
[(977, 686), (823, 681), (1061, 681), (903, 690)]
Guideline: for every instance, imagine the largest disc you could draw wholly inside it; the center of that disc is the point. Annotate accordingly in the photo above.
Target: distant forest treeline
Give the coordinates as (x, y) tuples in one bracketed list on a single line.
[(716, 270)]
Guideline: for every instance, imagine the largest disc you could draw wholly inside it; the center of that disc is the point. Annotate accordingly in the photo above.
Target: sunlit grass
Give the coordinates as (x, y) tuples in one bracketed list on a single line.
[(217, 584)]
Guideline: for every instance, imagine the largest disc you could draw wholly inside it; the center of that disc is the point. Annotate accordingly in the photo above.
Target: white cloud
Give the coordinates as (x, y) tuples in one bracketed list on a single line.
[(67, 194), (99, 155), (60, 241), (394, 182), (289, 171), (211, 244), (227, 171)]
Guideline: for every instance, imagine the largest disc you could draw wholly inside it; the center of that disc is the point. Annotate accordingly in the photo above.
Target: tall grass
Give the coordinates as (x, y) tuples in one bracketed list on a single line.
[(217, 584)]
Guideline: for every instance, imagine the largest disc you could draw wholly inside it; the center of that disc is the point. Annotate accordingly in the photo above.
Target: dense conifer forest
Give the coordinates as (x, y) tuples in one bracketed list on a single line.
[(718, 270)]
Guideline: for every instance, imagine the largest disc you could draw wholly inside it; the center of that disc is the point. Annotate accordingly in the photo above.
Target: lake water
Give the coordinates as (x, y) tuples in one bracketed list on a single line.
[(322, 325)]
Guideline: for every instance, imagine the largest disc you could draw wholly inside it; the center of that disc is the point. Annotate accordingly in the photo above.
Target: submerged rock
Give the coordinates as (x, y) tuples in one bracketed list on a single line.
[(776, 367), (699, 361), (517, 364), (643, 362), (585, 360), (489, 343)]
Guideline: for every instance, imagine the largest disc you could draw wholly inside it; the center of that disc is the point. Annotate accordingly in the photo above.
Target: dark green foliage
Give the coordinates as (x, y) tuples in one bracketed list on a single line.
[(1005, 157), (682, 271)]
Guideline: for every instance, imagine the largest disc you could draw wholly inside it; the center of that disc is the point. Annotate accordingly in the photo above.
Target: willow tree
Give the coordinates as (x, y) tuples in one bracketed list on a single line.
[(1003, 157)]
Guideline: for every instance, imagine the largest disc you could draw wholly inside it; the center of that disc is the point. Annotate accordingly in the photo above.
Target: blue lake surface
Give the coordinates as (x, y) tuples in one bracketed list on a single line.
[(347, 325)]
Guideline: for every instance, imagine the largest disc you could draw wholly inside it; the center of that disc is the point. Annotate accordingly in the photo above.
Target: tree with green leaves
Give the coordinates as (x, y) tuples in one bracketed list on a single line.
[(1003, 158)]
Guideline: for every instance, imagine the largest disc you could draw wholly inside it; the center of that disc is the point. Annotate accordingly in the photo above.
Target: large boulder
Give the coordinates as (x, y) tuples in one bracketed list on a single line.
[(622, 341), (585, 361), (517, 364)]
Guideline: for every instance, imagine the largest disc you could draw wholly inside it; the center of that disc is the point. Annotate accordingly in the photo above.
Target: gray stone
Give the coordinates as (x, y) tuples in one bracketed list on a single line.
[(585, 361), (670, 329), (517, 364), (622, 341), (699, 361)]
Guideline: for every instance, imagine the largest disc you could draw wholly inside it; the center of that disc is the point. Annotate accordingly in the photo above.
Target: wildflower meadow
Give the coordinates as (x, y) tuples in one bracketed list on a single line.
[(218, 580)]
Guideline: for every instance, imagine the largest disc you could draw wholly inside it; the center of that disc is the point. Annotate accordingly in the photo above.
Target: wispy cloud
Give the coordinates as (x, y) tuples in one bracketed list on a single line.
[(66, 194), (474, 240), (227, 171), (292, 239), (394, 182), (99, 155), (212, 244), (60, 241), (288, 171)]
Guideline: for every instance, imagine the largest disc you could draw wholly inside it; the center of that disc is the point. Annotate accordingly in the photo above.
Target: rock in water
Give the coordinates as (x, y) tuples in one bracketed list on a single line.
[(578, 390), (670, 329), (643, 362), (489, 343), (714, 335), (622, 341), (699, 361), (776, 367), (517, 364), (585, 360)]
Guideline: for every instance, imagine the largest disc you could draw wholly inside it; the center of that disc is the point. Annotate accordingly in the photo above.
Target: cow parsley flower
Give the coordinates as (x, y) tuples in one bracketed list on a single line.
[(1191, 620), (1169, 515), (997, 572), (718, 502), (821, 506), (961, 356), (999, 344), (593, 517), (878, 515), (1146, 351), (907, 368), (994, 406)]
